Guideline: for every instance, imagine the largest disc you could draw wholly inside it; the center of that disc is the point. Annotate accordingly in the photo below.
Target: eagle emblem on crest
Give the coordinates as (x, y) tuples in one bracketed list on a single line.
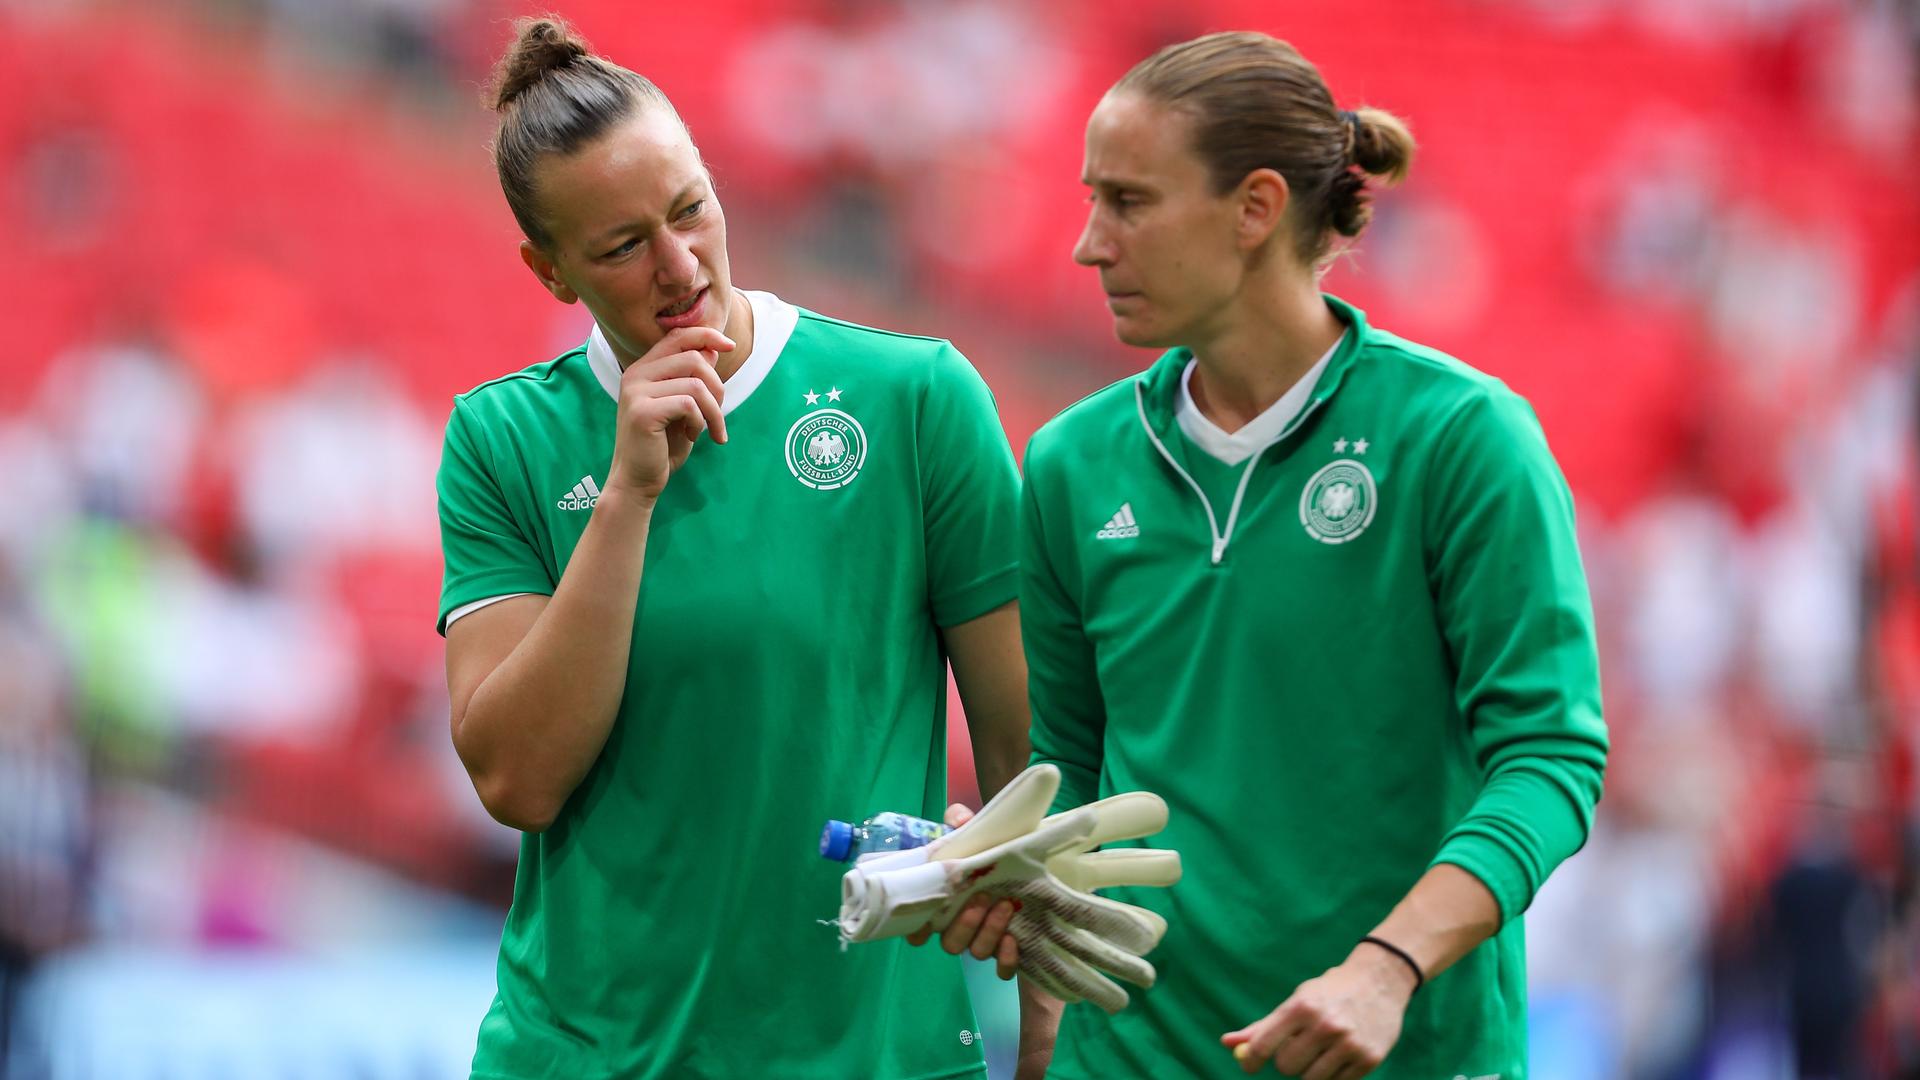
[(826, 448), (1339, 502)]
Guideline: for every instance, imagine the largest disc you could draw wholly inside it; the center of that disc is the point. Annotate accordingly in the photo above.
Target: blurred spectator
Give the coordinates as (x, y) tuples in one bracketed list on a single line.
[(128, 418), (880, 91), (45, 817), (341, 461), (1827, 919)]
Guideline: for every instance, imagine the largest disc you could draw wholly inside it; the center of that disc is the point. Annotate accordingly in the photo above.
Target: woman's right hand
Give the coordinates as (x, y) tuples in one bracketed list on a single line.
[(980, 927), (667, 398)]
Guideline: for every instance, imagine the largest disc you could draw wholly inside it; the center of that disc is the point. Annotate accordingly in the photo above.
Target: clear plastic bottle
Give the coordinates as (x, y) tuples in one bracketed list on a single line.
[(844, 841)]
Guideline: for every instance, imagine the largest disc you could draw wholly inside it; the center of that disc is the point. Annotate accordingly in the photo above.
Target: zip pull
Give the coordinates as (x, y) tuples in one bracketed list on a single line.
[(1219, 549)]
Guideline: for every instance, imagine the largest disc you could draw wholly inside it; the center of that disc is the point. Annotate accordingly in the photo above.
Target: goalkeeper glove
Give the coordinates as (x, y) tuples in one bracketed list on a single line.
[(1067, 935)]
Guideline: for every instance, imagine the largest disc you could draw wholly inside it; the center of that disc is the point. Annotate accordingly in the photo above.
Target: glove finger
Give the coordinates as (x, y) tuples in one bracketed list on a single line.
[(1062, 973), (1097, 952), (1117, 866), (1127, 816), (1009, 815), (1132, 928), (1156, 927), (1058, 835), (1041, 964)]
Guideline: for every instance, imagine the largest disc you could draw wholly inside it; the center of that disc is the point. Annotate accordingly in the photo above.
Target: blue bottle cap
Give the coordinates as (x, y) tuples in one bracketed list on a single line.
[(836, 840)]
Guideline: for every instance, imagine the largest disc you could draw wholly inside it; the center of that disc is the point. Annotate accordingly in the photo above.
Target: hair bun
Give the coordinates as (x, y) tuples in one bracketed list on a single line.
[(1381, 144), (539, 46)]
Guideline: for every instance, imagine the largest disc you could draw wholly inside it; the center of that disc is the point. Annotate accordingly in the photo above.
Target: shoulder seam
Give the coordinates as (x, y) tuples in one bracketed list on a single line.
[(1413, 350), (1407, 348), (816, 316), (528, 373), (1084, 398), (1447, 364)]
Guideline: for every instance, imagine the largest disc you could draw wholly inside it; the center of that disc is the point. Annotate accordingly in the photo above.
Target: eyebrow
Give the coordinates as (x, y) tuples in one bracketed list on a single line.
[(608, 235)]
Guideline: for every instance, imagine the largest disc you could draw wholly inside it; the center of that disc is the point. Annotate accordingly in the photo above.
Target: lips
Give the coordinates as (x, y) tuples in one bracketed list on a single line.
[(687, 312)]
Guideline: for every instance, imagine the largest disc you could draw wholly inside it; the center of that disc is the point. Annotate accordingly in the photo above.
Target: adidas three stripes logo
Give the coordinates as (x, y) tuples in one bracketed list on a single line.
[(584, 495), (1122, 527)]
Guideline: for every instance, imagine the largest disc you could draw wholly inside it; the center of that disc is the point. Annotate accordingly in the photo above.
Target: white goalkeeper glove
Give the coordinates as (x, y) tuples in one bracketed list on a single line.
[(1067, 935)]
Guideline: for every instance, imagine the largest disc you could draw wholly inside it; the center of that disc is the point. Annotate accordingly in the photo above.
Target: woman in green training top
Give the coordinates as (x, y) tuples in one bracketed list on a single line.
[(1318, 587), (702, 573)]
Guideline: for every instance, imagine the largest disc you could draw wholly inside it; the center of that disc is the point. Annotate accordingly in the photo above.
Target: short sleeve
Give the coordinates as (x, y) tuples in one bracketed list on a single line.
[(969, 488), (486, 551)]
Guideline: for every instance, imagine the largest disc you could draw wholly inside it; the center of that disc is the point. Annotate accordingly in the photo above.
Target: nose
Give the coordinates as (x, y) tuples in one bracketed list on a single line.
[(1093, 248), (677, 266)]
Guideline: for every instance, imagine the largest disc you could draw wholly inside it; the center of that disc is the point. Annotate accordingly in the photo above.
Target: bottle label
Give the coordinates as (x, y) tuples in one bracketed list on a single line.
[(912, 831), (925, 831)]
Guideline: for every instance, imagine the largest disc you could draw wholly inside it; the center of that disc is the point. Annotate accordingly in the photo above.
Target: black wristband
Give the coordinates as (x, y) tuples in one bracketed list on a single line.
[(1419, 977)]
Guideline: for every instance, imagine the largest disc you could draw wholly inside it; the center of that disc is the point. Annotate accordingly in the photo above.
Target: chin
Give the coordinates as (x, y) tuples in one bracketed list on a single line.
[(1138, 336)]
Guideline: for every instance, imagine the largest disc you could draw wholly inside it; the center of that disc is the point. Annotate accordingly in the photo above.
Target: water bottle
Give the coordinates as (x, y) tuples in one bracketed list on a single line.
[(844, 841)]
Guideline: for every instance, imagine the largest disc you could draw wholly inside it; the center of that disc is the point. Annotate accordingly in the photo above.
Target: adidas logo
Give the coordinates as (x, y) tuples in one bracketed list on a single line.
[(1122, 527), (584, 496)]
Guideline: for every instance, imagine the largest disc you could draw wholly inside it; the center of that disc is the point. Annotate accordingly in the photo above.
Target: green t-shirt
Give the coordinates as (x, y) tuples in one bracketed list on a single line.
[(786, 668)]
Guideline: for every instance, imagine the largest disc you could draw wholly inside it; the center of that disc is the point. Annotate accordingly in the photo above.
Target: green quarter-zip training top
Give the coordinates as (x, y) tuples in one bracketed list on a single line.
[(1365, 650)]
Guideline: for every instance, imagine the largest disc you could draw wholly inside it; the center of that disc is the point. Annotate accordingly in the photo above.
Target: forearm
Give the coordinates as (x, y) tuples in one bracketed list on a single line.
[(1446, 915), (998, 758), (991, 673), (1525, 821), (536, 724), (1039, 1027)]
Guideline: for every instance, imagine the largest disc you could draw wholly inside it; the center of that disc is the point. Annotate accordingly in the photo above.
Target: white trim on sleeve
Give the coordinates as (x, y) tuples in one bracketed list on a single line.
[(468, 609)]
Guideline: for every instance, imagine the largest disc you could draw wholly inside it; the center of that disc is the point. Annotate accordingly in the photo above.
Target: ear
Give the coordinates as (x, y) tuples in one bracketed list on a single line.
[(543, 267), (1262, 200)]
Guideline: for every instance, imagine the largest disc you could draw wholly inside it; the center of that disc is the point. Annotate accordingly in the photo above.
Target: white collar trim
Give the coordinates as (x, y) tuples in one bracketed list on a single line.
[(1259, 432), (773, 323)]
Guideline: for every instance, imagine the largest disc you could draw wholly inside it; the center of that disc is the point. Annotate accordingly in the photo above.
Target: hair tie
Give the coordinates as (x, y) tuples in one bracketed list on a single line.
[(1351, 119)]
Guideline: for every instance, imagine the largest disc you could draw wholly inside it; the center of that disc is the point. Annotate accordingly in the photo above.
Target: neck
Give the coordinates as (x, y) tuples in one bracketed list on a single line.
[(1260, 352)]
